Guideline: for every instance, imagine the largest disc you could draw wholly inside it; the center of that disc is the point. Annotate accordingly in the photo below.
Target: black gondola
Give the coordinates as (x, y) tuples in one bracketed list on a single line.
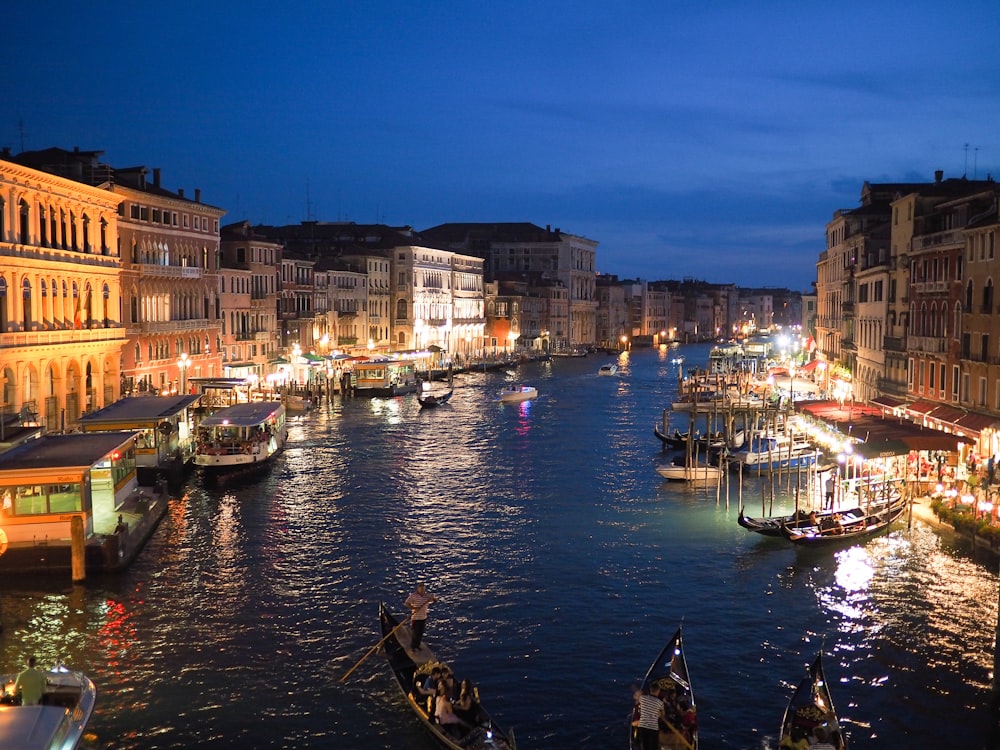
[(669, 672), (810, 710), (675, 441), (408, 667), (430, 400), (845, 525)]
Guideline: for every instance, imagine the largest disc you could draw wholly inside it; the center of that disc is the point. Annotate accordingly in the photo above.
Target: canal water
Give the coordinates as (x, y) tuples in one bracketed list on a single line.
[(562, 561)]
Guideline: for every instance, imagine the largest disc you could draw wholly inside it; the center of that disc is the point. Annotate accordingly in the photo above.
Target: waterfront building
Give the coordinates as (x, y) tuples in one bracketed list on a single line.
[(169, 247), (61, 331), (46, 484), (249, 278), (524, 251), (612, 318), (348, 289)]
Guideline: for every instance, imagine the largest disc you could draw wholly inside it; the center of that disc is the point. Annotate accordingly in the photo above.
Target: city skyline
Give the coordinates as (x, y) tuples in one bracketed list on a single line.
[(709, 142)]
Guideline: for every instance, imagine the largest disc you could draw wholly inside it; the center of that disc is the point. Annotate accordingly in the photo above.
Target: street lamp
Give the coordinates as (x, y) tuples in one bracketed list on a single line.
[(624, 342), (182, 365), (513, 337)]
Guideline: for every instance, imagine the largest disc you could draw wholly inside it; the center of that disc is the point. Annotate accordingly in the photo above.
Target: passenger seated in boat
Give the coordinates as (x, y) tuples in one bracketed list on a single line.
[(796, 740), (426, 685), (466, 706), (444, 711), (689, 721)]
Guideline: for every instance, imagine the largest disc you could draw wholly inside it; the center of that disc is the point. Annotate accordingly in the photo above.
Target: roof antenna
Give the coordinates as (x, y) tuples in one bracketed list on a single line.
[(965, 174), (308, 202)]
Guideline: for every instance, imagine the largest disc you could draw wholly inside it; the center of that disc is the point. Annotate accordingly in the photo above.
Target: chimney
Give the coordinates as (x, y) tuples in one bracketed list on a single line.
[(156, 177), (180, 192), (197, 195), (938, 175)]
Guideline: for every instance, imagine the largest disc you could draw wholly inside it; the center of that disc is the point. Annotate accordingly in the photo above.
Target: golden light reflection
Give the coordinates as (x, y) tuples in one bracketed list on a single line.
[(855, 569)]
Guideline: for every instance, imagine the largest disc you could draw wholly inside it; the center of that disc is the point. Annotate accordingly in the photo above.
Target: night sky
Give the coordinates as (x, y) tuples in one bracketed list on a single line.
[(705, 139)]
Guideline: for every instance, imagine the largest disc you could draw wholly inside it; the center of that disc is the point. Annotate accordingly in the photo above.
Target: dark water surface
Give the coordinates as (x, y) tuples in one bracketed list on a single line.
[(563, 563)]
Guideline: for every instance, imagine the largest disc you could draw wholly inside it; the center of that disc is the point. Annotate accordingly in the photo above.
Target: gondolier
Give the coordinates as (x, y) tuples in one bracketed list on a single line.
[(418, 602)]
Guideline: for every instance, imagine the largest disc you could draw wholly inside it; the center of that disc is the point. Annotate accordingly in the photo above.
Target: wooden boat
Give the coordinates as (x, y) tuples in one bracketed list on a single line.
[(611, 369), (771, 525), (408, 667), (669, 672), (241, 435), (58, 722), (846, 525), (810, 707), (676, 440), (513, 394), (430, 400)]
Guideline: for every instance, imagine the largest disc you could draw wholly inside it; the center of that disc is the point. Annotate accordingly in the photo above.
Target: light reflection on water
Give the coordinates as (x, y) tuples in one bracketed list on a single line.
[(562, 560)]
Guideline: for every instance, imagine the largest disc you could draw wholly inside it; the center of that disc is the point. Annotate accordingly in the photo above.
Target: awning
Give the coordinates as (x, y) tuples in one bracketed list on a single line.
[(880, 435), (946, 414), (976, 422), (887, 402), (922, 406), (810, 366)]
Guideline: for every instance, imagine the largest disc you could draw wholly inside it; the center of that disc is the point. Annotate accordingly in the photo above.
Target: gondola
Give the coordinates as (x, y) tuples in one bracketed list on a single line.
[(670, 672), (675, 441), (846, 525), (408, 667), (771, 525), (431, 400), (810, 708)]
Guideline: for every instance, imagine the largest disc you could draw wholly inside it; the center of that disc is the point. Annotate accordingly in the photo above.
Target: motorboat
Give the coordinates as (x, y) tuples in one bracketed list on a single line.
[(765, 452), (696, 472), (513, 394), (610, 369), (58, 722), (241, 435)]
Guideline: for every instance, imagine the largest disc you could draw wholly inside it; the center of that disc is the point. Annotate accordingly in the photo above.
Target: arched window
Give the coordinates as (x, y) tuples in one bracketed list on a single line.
[(944, 319), (3, 296), (25, 215), (26, 304), (988, 296), (401, 309), (106, 305), (968, 295)]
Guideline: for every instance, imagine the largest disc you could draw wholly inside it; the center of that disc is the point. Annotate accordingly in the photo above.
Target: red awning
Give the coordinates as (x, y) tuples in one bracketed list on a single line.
[(810, 366), (946, 414), (976, 422), (888, 402), (922, 406)]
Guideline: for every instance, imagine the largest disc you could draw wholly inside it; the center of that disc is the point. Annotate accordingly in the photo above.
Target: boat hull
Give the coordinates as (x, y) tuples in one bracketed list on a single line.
[(61, 719), (690, 473), (405, 665), (810, 706), (669, 671)]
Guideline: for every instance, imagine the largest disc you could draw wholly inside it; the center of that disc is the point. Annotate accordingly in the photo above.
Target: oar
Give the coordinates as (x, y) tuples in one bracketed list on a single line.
[(680, 735), (374, 648)]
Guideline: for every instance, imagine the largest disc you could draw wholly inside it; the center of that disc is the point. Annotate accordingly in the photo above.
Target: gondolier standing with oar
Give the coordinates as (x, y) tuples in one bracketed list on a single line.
[(418, 602)]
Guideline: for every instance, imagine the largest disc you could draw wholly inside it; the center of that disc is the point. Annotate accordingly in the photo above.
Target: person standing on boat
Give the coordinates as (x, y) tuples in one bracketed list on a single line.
[(831, 487), (651, 712), (30, 684), (418, 602)]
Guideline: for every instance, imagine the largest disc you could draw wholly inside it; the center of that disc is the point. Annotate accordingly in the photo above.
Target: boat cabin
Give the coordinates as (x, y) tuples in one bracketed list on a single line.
[(164, 435), (45, 483), (388, 377)]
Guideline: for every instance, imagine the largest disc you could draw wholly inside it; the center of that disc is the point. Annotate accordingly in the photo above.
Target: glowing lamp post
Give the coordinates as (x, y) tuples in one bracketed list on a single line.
[(182, 365), (512, 337)]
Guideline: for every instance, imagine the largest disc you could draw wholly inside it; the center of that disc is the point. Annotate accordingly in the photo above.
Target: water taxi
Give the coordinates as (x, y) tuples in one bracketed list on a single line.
[(58, 721), (516, 393), (241, 435), (611, 369)]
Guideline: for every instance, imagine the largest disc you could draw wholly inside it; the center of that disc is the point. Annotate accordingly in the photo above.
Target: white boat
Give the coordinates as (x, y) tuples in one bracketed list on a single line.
[(611, 369), (514, 393), (58, 722), (776, 452), (698, 473), (241, 435)]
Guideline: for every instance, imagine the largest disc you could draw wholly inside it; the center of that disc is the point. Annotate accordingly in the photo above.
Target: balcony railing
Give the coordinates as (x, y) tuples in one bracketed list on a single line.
[(932, 344), (894, 343), (938, 240), (63, 336), (172, 326)]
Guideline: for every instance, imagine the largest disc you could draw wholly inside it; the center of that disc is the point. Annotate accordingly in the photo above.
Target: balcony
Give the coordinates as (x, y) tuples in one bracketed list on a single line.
[(939, 240), (61, 337), (175, 272), (929, 287), (931, 344), (894, 343), (174, 326)]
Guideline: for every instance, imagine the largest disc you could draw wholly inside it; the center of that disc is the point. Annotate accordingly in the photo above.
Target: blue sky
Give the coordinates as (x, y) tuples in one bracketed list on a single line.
[(710, 139)]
